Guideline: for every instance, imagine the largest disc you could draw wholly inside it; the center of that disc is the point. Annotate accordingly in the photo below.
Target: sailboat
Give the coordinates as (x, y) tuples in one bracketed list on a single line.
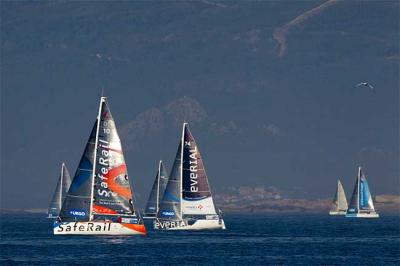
[(100, 200), (157, 192), (339, 203), (361, 204), (64, 181), (187, 203)]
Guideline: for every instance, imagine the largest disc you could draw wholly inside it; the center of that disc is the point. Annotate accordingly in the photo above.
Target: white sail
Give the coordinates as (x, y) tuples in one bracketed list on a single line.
[(339, 203)]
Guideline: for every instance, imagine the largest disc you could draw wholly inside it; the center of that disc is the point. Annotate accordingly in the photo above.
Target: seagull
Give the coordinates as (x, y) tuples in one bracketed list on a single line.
[(366, 84)]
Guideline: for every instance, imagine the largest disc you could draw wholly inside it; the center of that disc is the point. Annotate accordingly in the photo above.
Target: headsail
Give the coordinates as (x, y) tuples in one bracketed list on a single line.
[(63, 184), (170, 206), (76, 206), (157, 191), (339, 202), (111, 189), (196, 193)]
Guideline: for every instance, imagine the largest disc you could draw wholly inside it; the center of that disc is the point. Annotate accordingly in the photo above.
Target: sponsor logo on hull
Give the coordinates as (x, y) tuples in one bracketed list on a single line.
[(98, 228), (83, 227), (169, 224)]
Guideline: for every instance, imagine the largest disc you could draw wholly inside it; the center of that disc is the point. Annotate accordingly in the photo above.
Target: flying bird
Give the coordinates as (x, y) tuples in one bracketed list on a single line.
[(366, 84)]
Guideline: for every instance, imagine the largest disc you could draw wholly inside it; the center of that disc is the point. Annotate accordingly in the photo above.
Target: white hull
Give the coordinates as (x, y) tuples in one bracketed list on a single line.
[(98, 228), (363, 215), (200, 224), (337, 213)]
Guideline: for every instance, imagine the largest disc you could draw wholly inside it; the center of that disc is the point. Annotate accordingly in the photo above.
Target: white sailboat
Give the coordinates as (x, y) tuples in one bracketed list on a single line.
[(99, 200), (361, 204), (339, 203), (63, 184), (157, 192), (187, 203)]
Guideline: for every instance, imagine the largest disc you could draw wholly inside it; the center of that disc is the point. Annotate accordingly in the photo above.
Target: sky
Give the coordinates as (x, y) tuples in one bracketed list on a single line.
[(268, 89)]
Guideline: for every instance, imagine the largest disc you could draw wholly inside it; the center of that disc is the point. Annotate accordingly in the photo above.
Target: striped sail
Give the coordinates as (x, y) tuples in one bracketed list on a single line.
[(196, 193), (157, 191), (339, 202), (112, 195), (63, 184), (76, 206)]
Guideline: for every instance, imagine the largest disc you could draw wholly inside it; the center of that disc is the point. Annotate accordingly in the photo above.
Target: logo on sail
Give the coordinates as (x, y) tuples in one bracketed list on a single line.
[(168, 213), (79, 213), (193, 168)]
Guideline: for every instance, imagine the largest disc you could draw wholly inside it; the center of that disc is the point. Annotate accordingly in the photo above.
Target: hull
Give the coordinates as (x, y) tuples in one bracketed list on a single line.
[(363, 215), (98, 228), (337, 213), (186, 224)]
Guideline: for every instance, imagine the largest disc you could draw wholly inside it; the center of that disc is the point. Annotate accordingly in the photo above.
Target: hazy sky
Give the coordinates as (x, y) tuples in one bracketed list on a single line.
[(267, 87)]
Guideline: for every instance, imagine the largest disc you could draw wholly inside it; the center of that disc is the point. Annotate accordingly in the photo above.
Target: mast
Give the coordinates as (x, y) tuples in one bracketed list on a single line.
[(61, 185), (181, 174), (338, 193), (158, 187), (102, 99), (358, 189)]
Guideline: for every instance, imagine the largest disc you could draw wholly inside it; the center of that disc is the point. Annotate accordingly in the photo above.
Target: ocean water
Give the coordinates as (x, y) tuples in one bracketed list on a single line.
[(249, 240)]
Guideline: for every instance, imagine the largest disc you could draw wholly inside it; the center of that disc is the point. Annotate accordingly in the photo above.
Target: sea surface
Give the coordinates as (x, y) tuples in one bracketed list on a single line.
[(249, 240)]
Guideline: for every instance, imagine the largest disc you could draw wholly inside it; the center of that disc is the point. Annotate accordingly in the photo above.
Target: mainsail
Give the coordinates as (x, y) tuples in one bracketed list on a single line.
[(361, 199), (187, 192), (100, 189), (339, 202), (157, 191), (196, 194), (63, 184)]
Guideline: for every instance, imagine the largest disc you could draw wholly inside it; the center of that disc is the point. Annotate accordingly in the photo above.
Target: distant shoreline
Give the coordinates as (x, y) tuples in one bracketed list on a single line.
[(383, 203)]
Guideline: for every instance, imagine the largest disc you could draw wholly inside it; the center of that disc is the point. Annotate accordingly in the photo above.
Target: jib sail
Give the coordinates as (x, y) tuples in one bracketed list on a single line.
[(170, 206), (63, 184), (157, 191), (339, 201), (76, 206)]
